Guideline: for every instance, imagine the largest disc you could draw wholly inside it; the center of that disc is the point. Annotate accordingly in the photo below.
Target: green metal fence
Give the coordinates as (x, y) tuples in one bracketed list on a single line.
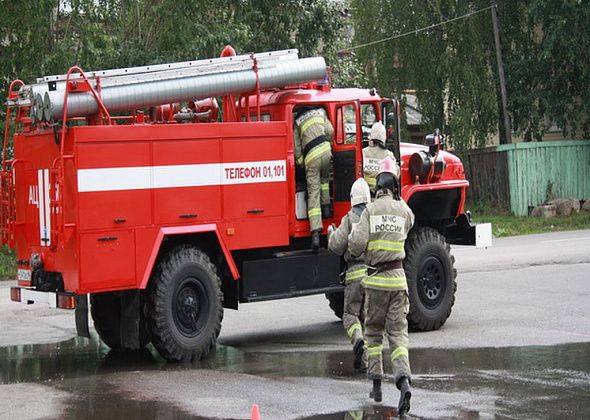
[(527, 174)]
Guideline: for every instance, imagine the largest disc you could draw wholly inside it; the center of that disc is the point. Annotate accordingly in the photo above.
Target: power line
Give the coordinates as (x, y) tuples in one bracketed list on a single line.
[(415, 31)]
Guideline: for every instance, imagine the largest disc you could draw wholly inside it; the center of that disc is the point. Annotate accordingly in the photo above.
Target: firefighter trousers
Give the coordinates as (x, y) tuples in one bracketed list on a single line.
[(317, 175), (353, 304), (386, 311)]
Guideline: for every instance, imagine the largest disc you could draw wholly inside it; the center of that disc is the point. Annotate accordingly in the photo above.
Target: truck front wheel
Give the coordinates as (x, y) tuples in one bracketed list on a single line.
[(431, 275), (184, 309)]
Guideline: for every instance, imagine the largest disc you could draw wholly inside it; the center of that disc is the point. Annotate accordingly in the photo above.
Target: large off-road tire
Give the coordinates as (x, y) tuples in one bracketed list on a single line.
[(431, 275), (336, 300), (184, 308), (105, 309)]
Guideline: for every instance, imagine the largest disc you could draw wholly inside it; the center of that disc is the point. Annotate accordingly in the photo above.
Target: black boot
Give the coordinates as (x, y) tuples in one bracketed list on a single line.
[(315, 241), (327, 211), (403, 384), (376, 391), (358, 353)]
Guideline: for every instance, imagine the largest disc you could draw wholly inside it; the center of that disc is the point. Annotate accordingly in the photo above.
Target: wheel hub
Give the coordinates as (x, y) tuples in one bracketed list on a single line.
[(190, 301), (431, 282)]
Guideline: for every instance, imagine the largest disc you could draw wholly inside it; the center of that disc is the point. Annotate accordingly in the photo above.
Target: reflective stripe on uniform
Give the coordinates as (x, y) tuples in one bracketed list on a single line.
[(381, 244), (316, 211), (375, 351), (355, 274), (356, 415), (309, 122), (354, 327), (386, 282), (317, 151), (299, 160), (325, 186), (399, 352), (371, 181)]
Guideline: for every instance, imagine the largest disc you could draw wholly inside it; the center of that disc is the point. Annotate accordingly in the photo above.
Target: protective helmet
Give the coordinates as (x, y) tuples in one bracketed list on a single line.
[(388, 176), (378, 133), (360, 192)]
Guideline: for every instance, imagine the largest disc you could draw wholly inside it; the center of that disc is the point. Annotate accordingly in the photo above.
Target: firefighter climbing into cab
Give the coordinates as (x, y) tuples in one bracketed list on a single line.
[(312, 135)]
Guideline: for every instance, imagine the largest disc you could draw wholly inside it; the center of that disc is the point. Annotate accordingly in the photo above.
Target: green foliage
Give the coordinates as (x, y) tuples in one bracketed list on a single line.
[(7, 264), (547, 75), (41, 37), (449, 67), (453, 67)]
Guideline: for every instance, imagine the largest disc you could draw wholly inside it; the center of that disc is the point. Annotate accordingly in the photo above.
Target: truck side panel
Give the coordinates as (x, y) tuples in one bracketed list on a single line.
[(231, 175), (186, 164)]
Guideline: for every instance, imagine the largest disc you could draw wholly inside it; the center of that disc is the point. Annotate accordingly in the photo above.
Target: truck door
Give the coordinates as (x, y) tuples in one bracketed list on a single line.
[(347, 159), (390, 111)]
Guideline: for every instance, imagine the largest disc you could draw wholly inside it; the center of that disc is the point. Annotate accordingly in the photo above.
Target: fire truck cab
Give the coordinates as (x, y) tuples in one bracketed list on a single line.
[(161, 218)]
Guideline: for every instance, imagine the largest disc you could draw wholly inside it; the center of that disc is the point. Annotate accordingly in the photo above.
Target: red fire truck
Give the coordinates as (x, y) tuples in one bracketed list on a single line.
[(126, 190)]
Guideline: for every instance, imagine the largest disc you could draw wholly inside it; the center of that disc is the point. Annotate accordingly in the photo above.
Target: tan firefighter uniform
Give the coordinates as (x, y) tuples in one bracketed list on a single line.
[(356, 268), (380, 234), (313, 138), (374, 153)]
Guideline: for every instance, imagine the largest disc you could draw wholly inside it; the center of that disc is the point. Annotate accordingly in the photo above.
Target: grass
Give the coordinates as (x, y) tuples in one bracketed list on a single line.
[(506, 224)]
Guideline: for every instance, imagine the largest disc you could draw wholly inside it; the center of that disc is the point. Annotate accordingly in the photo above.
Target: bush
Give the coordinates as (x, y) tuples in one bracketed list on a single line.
[(7, 264)]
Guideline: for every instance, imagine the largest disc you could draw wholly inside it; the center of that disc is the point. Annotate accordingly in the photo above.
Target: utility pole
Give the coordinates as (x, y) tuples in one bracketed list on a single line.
[(505, 116)]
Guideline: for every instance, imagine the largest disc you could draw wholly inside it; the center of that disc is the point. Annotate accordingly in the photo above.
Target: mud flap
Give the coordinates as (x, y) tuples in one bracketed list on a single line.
[(130, 307), (82, 316)]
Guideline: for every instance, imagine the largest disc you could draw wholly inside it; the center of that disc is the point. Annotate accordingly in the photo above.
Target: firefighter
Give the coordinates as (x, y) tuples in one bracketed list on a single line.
[(374, 153), (355, 270), (313, 138), (380, 234)]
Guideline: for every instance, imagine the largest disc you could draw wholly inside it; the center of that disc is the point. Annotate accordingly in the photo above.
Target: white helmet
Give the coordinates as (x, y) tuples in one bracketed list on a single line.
[(360, 192), (378, 133)]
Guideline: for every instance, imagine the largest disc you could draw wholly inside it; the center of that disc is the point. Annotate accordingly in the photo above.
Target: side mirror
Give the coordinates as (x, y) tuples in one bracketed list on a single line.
[(434, 142)]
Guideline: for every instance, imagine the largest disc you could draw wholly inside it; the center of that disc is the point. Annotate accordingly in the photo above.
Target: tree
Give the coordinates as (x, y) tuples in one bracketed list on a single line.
[(43, 37), (448, 66), (545, 65), (452, 66)]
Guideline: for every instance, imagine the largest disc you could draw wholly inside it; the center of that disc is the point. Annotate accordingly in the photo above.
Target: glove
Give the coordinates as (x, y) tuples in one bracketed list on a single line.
[(331, 230)]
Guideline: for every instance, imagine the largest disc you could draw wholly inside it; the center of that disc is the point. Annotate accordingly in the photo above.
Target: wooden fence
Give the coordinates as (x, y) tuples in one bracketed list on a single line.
[(523, 175)]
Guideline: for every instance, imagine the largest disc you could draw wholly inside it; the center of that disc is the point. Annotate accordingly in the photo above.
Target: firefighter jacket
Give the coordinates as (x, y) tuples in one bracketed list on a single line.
[(311, 127), (372, 155), (338, 244), (380, 234)]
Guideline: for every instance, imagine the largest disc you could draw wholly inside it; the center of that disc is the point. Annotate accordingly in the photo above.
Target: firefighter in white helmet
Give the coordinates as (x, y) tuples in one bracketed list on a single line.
[(313, 138), (380, 234), (374, 153), (356, 268)]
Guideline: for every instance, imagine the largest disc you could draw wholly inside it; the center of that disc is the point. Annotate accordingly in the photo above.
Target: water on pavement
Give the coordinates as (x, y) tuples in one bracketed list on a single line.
[(514, 382)]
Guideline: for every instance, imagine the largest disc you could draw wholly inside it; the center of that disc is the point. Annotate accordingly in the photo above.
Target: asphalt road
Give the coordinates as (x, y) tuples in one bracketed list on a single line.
[(517, 345)]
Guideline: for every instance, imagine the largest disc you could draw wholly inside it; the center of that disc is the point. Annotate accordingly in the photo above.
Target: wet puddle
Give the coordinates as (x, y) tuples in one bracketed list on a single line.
[(518, 382)]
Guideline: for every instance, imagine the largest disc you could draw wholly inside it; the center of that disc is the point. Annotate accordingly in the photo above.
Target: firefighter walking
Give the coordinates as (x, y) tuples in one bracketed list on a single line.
[(356, 268), (312, 138), (380, 234), (374, 153)]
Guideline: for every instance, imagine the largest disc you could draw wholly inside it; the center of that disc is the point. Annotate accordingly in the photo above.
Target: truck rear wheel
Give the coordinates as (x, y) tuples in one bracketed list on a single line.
[(184, 305), (336, 300), (431, 275), (105, 309)]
